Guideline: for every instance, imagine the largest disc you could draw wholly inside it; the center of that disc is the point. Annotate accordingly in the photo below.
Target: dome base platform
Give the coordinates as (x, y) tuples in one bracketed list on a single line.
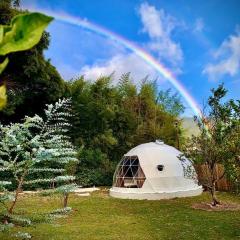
[(117, 193)]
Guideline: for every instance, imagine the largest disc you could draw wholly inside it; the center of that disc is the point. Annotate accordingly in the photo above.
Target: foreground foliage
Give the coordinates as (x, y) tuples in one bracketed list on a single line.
[(100, 217), (23, 33), (31, 80)]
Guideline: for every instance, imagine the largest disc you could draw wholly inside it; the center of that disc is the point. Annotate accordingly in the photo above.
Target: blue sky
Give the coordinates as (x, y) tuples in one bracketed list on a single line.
[(199, 41)]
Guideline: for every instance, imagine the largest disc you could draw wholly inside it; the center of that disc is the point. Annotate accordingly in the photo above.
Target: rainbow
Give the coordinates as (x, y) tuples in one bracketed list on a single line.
[(149, 59)]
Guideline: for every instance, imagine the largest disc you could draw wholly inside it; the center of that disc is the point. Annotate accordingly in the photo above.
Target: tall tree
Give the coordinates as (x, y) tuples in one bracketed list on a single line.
[(218, 141)]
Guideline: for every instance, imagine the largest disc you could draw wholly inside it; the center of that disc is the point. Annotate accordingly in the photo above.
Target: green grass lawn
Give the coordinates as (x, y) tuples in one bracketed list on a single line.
[(102, 217)]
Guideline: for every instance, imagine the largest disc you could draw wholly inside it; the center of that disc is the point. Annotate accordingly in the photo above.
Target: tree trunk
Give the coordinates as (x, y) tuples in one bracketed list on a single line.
[(215, 201), (65, 200), (18, 190), (52, 185)]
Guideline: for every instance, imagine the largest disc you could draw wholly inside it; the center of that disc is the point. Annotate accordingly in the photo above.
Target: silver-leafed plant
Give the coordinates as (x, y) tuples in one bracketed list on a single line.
[(38, 145)]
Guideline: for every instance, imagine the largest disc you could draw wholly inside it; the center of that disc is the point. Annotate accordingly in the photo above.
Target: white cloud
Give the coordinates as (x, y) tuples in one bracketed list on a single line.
[(160, 26), (198, 25), (119, 64), (227, 59)]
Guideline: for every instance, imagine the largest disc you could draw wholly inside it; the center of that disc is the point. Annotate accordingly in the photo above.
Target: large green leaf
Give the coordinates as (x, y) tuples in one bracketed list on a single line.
[(3, 97), (3, 65), (23, 33), (1, 33)]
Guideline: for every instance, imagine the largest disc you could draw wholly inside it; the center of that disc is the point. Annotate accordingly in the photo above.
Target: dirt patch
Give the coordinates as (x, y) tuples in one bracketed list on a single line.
[(220, 207)]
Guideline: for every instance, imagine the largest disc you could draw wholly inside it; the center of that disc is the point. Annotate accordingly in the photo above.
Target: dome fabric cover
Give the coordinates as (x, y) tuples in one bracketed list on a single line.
[(153, 171)]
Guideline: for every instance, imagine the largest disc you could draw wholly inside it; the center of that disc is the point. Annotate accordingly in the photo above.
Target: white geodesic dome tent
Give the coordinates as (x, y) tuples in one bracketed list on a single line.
[(153, 171)]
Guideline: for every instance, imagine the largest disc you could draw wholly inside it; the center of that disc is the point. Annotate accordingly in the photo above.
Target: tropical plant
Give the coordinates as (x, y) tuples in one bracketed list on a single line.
[(23, 33)]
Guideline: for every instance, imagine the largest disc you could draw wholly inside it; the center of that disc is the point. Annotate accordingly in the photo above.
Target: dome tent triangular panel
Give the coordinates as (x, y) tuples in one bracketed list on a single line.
[(153, 171)]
